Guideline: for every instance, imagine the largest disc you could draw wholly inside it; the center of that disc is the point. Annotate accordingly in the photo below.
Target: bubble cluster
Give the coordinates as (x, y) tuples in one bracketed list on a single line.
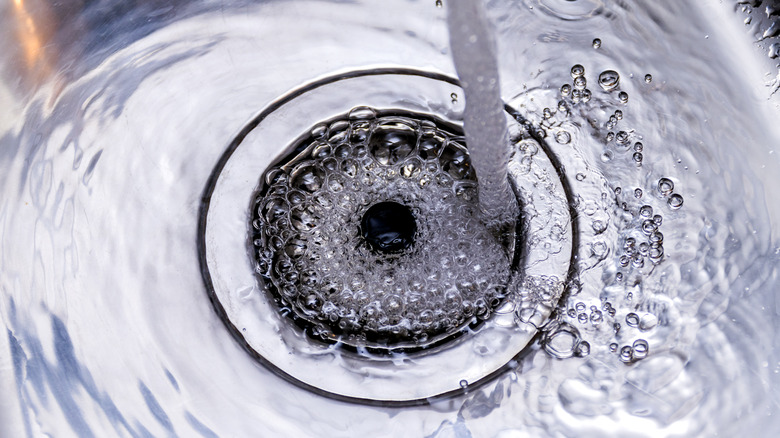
[(666, 188), (577, 91), (310, 252)]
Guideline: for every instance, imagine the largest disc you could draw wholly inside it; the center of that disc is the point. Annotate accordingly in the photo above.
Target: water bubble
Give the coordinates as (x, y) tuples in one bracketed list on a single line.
[(665, 186), (438, 3), (392, 142), (580, 82), (582, 318), (563, 137), (307, 177), (622, 137), (618, 114), (637, 157), (632, 320), (610, 136), (596, 43), (583, 349), (546, 113), (637, 193), (613, 347), (609, 80), (658, 219), (565, 89), (464, 383), (648, 78), (561, 342), (586, 95), (638, 146), (646, 211), (577, 71), (648, 322), (576, 95), (649, 227), (675, 201), (641, 348), (454, 97), (580, 176), (624, 261), (626, 354), (362, 113), (623, 96)]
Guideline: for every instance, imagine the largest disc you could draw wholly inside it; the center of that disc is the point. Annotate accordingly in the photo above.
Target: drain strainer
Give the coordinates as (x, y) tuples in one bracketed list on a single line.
[(371, 237), (342, 245)]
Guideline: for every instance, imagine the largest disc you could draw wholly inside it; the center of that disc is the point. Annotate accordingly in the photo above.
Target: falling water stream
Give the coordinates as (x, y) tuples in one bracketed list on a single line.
[(194, 232)]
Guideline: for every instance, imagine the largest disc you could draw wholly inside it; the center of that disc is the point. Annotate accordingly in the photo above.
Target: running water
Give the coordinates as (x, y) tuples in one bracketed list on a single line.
[(662, 119), (474, 53)]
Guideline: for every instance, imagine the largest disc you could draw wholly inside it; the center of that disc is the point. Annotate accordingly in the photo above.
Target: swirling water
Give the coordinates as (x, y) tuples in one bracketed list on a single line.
[(106, 149)]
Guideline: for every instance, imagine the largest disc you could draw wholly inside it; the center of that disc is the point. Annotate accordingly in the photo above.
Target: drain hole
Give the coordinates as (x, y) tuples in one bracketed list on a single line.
[(388, 227)]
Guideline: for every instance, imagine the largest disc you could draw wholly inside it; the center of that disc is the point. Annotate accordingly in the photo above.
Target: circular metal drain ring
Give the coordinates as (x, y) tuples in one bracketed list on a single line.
[(392, 380)]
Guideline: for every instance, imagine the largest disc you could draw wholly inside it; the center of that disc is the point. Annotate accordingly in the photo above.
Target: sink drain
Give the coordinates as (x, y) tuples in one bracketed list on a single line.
[(370, 236), (344, 249)]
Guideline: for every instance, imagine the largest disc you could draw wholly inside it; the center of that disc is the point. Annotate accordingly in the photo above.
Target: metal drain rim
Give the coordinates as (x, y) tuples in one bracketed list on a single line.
[(395, 391)]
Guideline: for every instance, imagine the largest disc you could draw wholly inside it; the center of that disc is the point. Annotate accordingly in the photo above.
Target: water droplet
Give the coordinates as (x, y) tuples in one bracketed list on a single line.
[(638, 146), (565, 89), (632, 320), (609, 80), (665, 186), (637, 157), (438, 3), (623, 96), (618, 115), (675, 201), (362, 113), (622, 137), (563, 137), (577, 70), (596, 43), (613, 347), (648, 78), (646, 211)]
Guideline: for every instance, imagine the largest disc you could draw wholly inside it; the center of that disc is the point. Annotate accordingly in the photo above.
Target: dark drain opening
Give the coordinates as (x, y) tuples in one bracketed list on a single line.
[(388, 227)]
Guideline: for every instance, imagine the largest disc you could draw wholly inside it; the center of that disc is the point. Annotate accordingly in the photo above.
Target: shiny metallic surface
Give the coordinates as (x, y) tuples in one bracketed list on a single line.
[(113, 115)]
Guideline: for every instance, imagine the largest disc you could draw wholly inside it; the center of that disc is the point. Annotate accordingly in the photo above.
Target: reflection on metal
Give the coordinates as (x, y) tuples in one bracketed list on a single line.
[(33, 26)]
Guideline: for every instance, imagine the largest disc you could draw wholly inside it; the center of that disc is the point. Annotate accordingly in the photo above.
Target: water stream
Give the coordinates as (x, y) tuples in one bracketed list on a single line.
[(652, 124)]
